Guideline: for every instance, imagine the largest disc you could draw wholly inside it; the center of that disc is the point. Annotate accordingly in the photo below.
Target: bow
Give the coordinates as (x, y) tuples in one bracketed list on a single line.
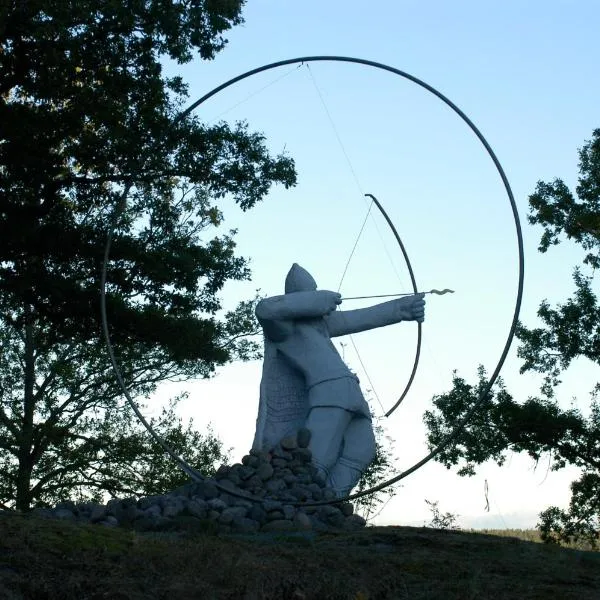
[(415, 291)]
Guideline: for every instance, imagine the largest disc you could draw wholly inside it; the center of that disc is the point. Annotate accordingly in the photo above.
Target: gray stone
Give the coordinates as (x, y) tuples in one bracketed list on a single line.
[(234, 512), (207, 490), (246, 472), (254, 483), (110, 521), (254, 462), (232, 477), (245, 525), (148, 501), (279, 462), (303, 455), (278, 525), (196, 508), (282, 454), (319, 479), (347, 509), (244, 503), (287, 497), (229, 484), (318, 525), (222, 472), (303, 437), (153, 511), (229, 499), (270, 505), (64, 514), (261, 455), (43, 513), (85, 508), (258, 513), (126, 512), (111, 506), (301, 471), (290, 479), (98, 513), (289, 443), (173, 509), (67, 505), (216, 504), (299, 493), (275, 485), (275, 515), (213, 515), (332, 515), (315, 492), (304, 479), (329, 494), (302, 521), (354, 522), (328, 509), (288, 511), (265, 471), (310, 510)]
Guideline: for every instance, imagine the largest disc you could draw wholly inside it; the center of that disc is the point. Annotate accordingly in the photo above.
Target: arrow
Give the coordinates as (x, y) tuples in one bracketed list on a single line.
[(434, 291)]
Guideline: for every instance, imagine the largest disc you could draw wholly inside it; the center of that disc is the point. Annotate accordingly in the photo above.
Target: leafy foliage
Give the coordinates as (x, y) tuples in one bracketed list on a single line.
[(539, 426), (441, 520), (86, 113)]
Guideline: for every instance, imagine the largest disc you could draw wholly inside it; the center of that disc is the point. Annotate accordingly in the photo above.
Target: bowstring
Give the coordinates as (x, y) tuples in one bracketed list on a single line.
[(356, 181), (372, 388)]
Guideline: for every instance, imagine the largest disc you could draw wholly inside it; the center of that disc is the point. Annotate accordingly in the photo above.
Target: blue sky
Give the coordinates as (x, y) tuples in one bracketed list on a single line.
[(527, 75)]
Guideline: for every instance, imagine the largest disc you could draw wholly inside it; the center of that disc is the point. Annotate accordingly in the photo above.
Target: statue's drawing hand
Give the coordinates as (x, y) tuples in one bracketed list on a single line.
[(330, 300), (412, 308)]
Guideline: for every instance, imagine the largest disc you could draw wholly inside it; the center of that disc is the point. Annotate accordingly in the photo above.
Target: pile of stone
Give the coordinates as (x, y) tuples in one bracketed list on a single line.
[(283, 479)]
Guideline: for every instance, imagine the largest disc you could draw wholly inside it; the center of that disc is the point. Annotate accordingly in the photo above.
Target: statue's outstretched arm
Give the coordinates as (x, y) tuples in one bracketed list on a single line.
[(408, 308), (298, 305), (277, 313)]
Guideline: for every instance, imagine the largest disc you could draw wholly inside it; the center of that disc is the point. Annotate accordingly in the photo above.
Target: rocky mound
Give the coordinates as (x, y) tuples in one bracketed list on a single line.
[(284, 480)]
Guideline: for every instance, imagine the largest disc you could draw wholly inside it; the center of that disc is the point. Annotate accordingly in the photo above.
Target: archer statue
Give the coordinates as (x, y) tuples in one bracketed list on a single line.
[(305, 382)]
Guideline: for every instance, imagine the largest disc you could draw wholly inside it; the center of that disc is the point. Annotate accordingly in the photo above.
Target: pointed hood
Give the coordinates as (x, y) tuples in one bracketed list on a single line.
[(299, 280)]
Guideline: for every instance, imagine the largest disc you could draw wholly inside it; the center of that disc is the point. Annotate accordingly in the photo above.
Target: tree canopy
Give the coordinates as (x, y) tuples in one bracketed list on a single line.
[(541, 426), (85, 111)]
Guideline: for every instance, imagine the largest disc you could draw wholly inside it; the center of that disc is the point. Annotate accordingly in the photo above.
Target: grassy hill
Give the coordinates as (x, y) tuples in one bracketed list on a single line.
[(51, 560)]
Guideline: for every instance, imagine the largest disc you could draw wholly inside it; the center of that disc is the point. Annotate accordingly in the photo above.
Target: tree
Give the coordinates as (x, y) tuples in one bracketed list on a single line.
[(539, 426), (86, 111)]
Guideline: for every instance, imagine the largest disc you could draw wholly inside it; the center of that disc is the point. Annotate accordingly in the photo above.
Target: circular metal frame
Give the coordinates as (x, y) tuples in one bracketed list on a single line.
[(484, 393)]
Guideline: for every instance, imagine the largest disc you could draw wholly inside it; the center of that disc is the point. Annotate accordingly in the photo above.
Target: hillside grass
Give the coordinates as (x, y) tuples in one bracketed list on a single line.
[(52, 560), (533, 535)]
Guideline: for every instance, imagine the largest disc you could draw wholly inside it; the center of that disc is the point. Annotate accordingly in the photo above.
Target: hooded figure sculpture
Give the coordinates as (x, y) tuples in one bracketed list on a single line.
[(306, 383)]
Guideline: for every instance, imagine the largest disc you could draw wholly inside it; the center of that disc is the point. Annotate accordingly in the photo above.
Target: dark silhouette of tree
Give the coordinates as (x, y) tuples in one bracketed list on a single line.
[(85, 111), (539, 426)]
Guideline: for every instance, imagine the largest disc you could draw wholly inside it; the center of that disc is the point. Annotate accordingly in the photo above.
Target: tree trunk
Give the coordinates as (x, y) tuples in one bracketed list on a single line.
[(23, 492)]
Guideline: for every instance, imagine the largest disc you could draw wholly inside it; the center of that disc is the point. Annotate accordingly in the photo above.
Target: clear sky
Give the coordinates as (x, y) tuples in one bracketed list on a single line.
[(527, 75)]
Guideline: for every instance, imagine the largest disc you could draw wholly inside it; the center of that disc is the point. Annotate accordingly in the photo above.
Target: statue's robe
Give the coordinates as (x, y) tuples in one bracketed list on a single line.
[(283, 405)]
